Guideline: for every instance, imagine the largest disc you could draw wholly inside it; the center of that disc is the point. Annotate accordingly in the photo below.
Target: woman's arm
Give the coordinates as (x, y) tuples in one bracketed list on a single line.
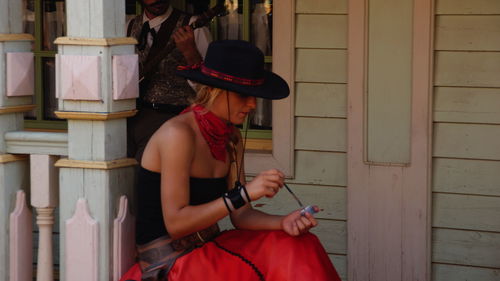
[(176, 146), (249, 218)]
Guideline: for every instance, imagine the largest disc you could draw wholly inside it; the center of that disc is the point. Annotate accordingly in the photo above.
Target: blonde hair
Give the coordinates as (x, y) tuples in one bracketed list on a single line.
[(206, 95)]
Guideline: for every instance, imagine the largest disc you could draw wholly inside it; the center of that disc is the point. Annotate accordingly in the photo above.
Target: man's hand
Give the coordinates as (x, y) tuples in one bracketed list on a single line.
[(184, 40)]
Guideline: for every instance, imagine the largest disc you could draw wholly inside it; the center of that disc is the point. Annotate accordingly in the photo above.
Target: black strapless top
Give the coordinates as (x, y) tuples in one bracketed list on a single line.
[(149, 222)]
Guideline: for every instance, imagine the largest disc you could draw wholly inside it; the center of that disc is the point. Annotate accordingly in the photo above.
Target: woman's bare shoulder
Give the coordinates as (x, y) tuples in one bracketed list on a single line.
[(173, 140), (175, 128)]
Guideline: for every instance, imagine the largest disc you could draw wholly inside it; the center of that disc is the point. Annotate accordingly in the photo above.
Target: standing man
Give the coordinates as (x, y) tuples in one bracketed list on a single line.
[(165, 41)]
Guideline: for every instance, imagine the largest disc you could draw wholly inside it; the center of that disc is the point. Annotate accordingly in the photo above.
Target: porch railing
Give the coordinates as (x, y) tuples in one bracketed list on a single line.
[(31, 164)]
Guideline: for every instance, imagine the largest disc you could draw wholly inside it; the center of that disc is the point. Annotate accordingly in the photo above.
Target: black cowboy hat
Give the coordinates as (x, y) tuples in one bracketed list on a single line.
[(237, 66)]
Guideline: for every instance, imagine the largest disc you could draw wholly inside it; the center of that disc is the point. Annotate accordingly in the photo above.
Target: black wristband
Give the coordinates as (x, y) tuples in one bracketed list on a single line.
[(224, 198), (244, 193), (236, 199)]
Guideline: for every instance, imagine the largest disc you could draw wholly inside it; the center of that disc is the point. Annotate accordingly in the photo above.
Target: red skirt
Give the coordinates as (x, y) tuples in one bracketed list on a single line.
[(246, 255)]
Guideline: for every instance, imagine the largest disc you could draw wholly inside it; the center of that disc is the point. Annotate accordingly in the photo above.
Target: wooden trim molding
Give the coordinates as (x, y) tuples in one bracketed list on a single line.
[(259, 144), (4, 37), (80, 41), (98, 165), (17, 109), (97, 116), (7, 158)]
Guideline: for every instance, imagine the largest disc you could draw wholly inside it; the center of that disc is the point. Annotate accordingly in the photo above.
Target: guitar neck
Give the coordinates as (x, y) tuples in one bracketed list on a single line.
[(205, 18)]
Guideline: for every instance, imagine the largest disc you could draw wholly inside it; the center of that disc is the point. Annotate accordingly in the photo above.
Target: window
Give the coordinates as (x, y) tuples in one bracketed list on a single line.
[(45, 20)]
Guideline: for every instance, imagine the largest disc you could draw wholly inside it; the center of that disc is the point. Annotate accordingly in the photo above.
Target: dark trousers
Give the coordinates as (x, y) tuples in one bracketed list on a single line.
[(141, 127)]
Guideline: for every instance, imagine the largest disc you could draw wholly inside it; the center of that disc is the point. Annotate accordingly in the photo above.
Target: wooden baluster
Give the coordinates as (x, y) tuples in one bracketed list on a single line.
[(44, 198), (45, 221)]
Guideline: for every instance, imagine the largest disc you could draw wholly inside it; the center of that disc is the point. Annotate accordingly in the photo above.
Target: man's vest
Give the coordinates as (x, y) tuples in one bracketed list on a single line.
[(163, 86)]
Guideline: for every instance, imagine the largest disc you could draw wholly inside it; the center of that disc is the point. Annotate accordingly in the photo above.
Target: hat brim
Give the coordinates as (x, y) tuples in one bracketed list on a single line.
[(273, 88)]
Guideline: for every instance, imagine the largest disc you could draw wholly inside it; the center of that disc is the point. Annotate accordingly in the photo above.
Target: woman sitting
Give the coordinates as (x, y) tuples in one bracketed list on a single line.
[(191, 177)]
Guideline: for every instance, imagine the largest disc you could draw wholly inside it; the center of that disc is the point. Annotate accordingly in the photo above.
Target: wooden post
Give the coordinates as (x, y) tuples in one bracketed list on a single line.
[(97, 83), (16, 81)]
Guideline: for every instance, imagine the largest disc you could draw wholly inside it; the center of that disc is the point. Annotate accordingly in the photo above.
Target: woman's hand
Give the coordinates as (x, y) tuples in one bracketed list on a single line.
[(296, 224), (267, 183)]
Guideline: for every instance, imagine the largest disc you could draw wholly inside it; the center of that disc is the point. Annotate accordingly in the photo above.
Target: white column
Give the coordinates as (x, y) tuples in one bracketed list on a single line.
[(95, 64)]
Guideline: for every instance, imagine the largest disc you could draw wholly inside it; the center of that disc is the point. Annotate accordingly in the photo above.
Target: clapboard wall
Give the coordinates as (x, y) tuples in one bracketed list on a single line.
[(320, 123), (466, 142)]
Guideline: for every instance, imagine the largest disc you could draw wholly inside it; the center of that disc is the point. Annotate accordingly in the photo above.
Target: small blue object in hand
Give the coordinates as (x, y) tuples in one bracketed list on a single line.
[(308, 209)]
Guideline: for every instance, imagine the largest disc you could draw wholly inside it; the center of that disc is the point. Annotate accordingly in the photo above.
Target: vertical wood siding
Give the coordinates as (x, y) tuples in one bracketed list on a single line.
[(466, 154), (320, 124)]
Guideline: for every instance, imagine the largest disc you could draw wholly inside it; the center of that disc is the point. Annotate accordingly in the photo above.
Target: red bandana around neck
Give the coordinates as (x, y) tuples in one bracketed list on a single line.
[(215, 131)]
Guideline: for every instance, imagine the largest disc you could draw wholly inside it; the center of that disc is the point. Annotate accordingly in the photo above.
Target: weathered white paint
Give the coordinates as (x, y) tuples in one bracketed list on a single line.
[(321, 100), (125, 77), (477, 141), (468, 32), (21, 240), (325, 168), (82, 244), (123, 240), (20, 74), (467, 105), (321, 65), (340, 263), (49, 143), (466, 212), (80, 77), (389, 78), (477, 7), (446, 272), (96, 18), (387, 207), (322, 6), (466, 247), (466, 176), (467, 69), (321, 31), (325, 134), (97, 140)]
